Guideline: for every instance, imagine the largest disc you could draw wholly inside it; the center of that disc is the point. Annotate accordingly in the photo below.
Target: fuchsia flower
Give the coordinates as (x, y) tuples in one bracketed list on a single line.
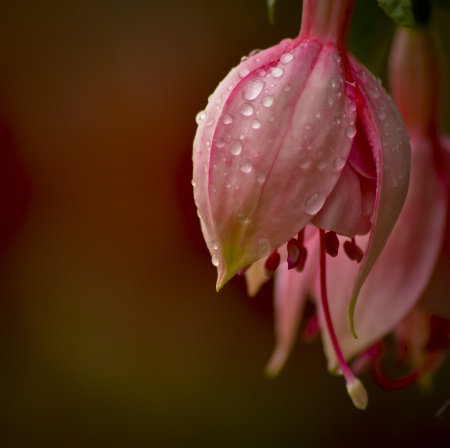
[(301, 134), (406, 292)]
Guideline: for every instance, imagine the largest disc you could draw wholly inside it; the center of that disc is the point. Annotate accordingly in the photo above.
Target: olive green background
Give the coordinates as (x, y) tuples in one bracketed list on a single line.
[(111, 332)]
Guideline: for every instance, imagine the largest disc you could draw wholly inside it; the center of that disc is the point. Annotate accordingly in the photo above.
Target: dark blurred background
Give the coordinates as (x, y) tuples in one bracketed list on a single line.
[(111, 332)]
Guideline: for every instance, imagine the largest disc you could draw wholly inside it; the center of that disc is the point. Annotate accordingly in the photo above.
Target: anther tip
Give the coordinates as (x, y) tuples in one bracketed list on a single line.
[(358, 393)]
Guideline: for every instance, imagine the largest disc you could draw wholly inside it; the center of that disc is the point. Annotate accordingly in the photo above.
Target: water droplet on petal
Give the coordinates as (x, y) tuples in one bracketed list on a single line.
[(213, 244), (267, 101), (200, 116), (314, 203), (255, 124), (277, 72), (219, 142), (350, 131), (381, 113), (243, 72), (374, 93), (338, 163), (260, 178), (253, 52), (286, 58), (336, 57), (246, 166), (235, 147), (352, 106), (193, 183), (227, 119), (247, 109), (287, 87), (215, 260), (253, 89), (362, 76)]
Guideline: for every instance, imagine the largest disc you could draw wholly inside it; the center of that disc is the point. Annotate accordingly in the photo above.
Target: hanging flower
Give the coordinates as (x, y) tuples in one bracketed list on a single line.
[(301, 133)]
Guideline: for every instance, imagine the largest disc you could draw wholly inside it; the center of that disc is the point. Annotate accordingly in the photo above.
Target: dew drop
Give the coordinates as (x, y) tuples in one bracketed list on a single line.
[(193, 183), (308, 126), (332, 83), (215, 260), (243, 72), (227, 184), (336, 57), (381, 113), (375, 93), (209, 122), (287, 87), (200, 116), (267, 101), (362, 76), (219, 143), (277, 72), (304, 45), (213, 244), (247, 109), (255, 124), (260, 178), (314, 203), (235, 147), (352, 106), (246, 166), (253, 89), (286, 58), (227, 119), (350, 131), (317, 114), (330, 100), (338, 163), (253, 52)]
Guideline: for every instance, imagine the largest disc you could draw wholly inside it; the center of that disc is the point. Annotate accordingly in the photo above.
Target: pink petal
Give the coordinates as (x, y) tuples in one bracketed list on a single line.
[(291, 291), (402, 271), (389, 142)]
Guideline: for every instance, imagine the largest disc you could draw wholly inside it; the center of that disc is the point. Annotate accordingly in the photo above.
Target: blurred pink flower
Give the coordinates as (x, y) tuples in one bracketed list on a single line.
[(423, 334), (301, 133)]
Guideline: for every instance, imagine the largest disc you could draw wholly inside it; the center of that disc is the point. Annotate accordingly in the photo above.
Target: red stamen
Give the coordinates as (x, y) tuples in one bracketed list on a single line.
[(331, 243), (353, 251), (293, 251), (354, 386), (272, 263)]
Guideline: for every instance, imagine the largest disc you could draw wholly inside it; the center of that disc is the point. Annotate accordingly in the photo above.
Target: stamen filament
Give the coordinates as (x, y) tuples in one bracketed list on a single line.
[(354, 386)]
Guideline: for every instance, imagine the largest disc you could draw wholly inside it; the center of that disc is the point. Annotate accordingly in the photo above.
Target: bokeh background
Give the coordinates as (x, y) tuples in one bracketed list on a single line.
[(111, 332)]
